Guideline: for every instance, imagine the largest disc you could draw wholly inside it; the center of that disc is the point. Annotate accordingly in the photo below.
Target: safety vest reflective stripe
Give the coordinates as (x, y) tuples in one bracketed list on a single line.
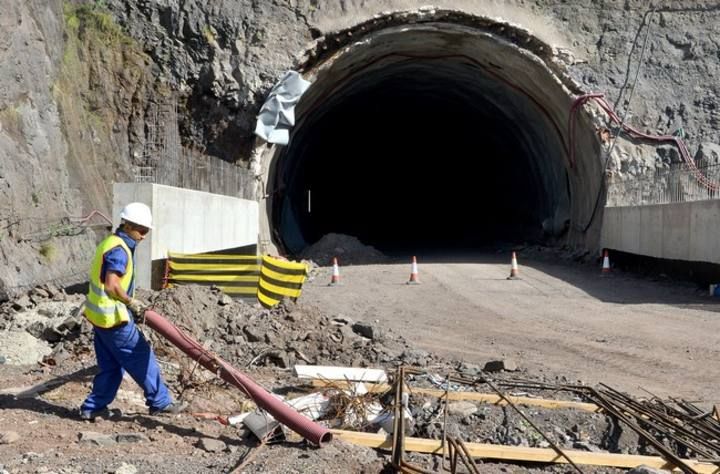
[(98, 309), (99, 292), (101, 309)]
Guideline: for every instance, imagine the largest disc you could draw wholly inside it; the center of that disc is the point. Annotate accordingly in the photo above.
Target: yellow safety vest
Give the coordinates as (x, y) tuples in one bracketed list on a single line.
[(100, 308)]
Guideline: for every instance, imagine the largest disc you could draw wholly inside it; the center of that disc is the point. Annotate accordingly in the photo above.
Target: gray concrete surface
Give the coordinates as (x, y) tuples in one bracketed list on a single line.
[(186, 221), (679, 231)]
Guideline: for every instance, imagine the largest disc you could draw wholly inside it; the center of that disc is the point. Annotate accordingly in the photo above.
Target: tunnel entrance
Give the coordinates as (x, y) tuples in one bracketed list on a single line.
[(433, 136)]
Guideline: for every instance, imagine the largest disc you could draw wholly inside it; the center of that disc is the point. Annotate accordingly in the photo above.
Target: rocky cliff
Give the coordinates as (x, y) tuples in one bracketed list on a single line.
[(83, 84)]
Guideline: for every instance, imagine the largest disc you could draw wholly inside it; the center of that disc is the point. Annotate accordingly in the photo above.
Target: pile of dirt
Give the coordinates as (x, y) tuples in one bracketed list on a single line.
[(243, 333), (42, 325), (292, 333), (348, 250)]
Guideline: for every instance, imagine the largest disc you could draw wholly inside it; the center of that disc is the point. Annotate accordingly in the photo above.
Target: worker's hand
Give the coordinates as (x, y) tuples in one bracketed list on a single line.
[(137, 307)]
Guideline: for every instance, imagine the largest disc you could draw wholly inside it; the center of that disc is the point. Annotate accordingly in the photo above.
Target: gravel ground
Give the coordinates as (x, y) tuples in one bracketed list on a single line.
[(560, 318), (464, 314)]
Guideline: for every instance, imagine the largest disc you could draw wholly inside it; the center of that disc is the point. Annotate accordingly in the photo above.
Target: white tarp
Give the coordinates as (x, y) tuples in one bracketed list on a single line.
[(277, 115)]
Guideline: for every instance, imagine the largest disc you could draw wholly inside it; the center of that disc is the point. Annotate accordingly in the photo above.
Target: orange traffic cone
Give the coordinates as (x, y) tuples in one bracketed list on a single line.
[(335, 279), (514, 272), (414, 279), (606, 264)]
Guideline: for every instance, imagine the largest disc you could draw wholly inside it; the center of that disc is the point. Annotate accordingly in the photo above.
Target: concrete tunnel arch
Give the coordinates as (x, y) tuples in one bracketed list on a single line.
[(434, 130)]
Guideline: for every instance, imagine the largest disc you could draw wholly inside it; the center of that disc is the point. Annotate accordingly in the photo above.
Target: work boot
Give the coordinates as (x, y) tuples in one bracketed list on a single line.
[(90, 415), (173, 408)]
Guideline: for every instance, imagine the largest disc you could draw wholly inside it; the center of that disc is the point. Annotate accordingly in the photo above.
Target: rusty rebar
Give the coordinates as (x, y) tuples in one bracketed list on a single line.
[(552, 443), (461, 451), (609, 407)]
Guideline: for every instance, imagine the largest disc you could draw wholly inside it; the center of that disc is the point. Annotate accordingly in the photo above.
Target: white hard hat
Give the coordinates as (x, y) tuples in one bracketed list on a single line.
[(137, 213)]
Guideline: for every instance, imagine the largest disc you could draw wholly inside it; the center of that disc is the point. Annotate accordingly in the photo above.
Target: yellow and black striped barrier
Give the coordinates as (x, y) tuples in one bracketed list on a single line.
[(280, 279), (236, 275), (267, 278)]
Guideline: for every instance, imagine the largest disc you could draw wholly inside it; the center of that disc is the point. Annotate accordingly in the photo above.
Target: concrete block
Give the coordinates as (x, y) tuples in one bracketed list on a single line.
[(678, 231), (186, 221)]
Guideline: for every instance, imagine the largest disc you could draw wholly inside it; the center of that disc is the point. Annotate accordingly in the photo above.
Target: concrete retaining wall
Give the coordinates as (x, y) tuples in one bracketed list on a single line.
[(680, 231), (185, 221)]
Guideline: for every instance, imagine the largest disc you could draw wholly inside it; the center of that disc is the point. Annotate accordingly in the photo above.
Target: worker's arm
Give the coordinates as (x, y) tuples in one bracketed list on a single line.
[(114, 288)]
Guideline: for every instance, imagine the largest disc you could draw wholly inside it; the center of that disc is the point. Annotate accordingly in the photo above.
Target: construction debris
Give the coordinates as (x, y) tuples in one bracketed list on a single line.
[(352, 374), (464, 413)]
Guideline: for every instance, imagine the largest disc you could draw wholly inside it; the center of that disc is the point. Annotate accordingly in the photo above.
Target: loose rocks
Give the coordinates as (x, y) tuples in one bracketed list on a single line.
[(508, 365), (462, 408), (97, 439), (245, 334), (370, 331), (8, 437), (212, 445), (126, 468), (21, 348)]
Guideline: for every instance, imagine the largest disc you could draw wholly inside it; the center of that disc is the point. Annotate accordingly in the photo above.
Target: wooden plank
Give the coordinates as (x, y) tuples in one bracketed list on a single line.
[(519, 453), (474, 396)]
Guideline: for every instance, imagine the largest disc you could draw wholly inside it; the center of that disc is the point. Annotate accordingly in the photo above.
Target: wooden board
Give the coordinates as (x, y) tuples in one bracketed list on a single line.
[(519, 453), (474, 396)]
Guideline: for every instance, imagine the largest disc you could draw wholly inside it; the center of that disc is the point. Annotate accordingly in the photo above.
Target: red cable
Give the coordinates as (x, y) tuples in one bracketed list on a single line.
[(599, 98)]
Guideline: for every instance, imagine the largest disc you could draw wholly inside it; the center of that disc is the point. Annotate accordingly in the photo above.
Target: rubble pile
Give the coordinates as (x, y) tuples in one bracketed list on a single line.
[(249, 337), (43, 325), (348, 250), (246, 335), (46, 326), (485, 423)]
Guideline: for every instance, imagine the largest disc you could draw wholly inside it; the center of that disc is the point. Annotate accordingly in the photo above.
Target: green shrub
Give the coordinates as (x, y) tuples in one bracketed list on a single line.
[(49, 251), (94, 20)]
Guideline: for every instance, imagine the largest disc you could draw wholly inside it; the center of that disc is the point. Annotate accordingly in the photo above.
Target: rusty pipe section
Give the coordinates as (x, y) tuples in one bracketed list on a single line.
[(283, 413)]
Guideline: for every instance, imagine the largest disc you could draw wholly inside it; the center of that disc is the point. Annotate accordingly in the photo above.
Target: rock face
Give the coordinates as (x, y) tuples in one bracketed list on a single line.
[(229, 54), (37, 195), (87, 96)]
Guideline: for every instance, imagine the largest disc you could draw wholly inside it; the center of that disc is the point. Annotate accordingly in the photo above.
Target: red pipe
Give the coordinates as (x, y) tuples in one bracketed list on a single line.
[(302, 425)]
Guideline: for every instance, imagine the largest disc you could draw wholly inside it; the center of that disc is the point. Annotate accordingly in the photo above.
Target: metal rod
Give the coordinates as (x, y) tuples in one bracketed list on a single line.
[(461, 451), (554, 445), (607, 405), (661, 424)]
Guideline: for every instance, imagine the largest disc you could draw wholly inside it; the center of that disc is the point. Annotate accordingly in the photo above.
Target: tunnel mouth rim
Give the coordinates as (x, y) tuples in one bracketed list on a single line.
[(325, 53)]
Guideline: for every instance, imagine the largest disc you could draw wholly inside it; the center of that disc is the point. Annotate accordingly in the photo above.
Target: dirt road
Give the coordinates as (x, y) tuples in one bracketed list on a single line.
[(561, 318)]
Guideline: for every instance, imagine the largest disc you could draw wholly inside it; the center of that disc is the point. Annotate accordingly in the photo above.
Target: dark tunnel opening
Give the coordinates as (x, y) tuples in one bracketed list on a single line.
[(423, 154)]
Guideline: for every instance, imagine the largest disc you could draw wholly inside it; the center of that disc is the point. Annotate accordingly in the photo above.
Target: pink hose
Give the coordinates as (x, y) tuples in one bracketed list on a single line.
[(302, 425), (599, 98)]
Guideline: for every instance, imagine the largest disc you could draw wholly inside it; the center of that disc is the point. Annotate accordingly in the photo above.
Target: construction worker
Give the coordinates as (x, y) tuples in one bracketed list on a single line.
[(111, 309)]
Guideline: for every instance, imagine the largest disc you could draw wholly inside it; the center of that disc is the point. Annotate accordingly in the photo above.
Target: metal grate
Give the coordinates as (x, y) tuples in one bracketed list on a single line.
[(678, 183), (166, 161)]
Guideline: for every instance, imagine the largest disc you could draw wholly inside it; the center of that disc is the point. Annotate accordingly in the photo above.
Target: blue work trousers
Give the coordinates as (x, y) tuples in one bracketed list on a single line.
[(121, 349)]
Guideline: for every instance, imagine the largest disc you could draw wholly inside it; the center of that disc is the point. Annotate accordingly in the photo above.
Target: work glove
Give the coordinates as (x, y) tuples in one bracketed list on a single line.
[(138, 308)]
